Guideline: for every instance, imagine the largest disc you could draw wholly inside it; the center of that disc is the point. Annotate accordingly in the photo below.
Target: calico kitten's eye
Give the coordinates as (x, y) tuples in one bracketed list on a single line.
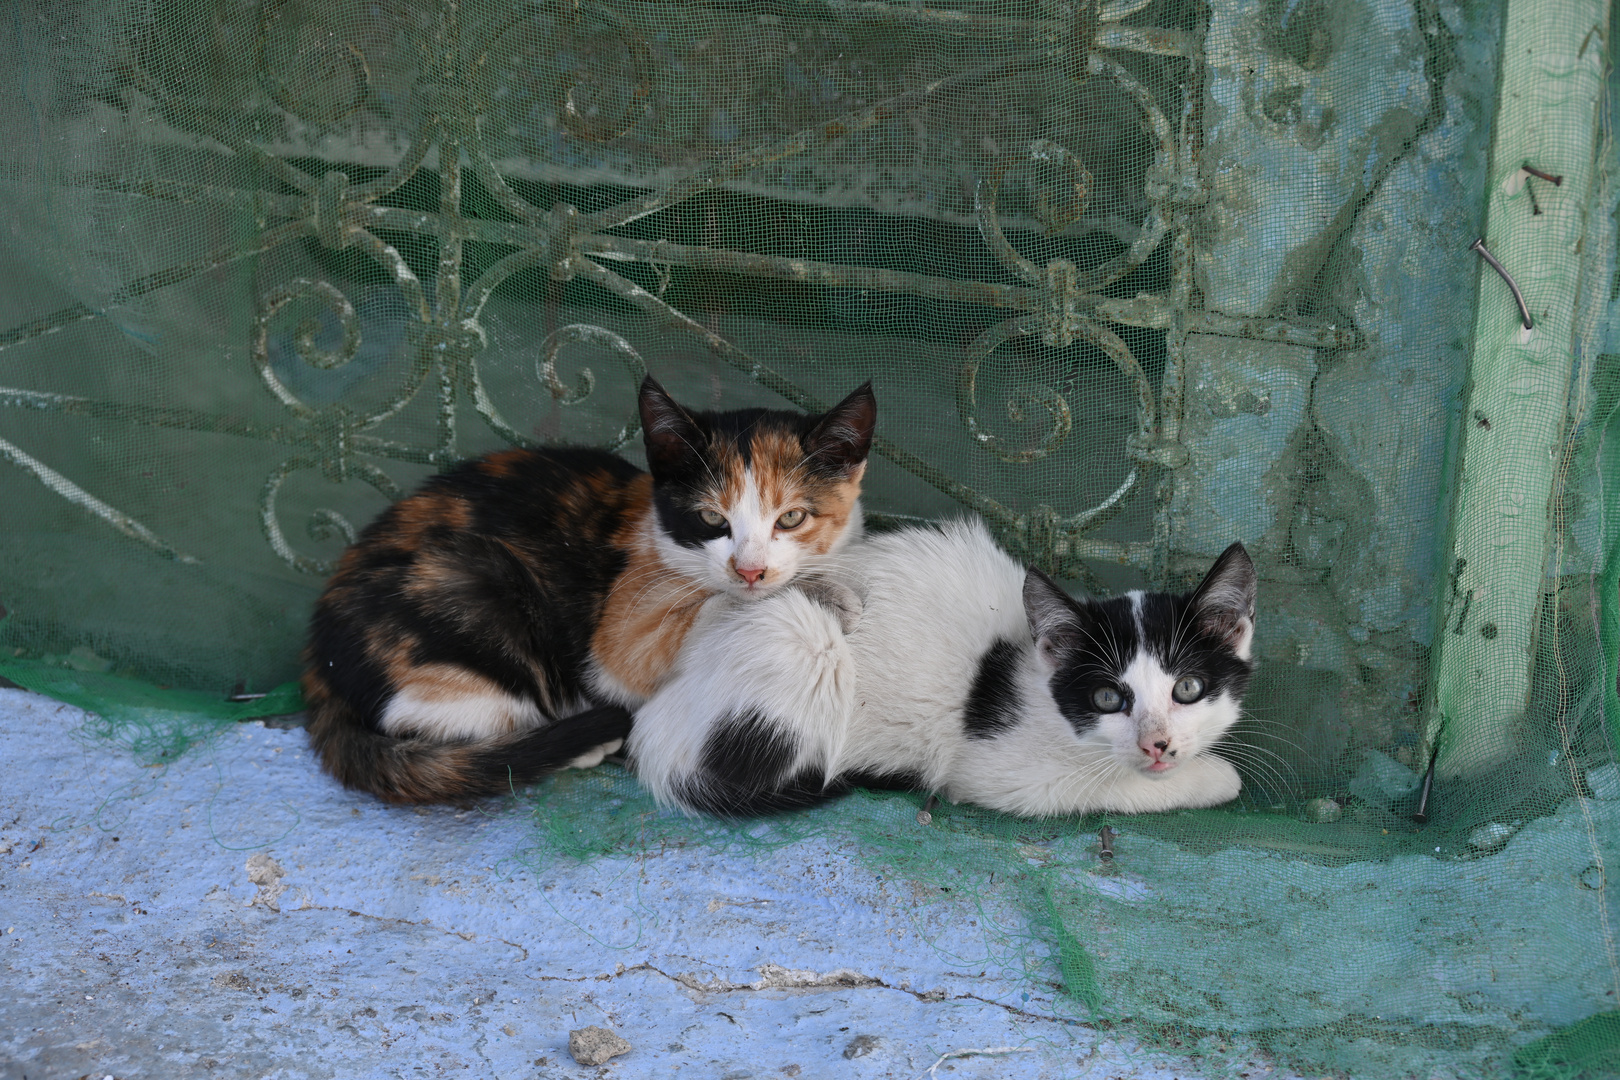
[(1188, 689), (712, 519), (790, 520), (1107, 699)]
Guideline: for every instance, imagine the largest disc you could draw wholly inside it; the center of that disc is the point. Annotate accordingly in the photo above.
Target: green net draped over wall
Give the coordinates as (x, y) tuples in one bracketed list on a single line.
[(1132, 280)]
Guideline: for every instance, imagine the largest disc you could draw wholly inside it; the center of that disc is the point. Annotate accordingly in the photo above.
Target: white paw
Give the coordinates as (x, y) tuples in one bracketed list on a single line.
[(592, 758), (1217, 781)]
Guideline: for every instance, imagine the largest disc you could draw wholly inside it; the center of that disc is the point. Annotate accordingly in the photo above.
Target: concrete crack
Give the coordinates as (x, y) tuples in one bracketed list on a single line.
[(777, 977), (307, 906)]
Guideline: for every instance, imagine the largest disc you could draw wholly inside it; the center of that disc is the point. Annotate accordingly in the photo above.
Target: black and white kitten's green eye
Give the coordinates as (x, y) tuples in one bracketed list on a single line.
[(1188, 689), (790, 520), (712, 519), (1106, 699)]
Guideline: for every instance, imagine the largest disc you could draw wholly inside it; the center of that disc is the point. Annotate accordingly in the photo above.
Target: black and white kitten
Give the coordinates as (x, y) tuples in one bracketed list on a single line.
[(965, 675)]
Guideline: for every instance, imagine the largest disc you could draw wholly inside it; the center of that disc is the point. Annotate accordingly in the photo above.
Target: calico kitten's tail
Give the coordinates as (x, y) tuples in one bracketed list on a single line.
[(417, 770)]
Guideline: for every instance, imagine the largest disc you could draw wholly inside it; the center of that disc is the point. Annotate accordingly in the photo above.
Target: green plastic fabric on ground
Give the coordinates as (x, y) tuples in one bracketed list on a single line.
[(154, 723), (1583, 1051)]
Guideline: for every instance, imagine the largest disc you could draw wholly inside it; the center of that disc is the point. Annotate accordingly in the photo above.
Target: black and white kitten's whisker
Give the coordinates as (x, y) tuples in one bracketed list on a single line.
[(1249, 739), (1243, 756), (1260, 758), (1255, 756), (1263, 729), (1114, 662)]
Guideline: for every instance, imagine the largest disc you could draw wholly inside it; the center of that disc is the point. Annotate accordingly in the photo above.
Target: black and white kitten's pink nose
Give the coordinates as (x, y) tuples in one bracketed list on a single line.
[(1157, 748)]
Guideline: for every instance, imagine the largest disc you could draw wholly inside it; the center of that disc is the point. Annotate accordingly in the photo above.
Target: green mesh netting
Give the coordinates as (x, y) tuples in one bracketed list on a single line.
[(1132, 279)]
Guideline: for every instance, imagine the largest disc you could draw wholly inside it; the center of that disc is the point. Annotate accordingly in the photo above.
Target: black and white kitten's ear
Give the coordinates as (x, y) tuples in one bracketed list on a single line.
[(1224, 600), (1051, 616), (670, 433), (842, 438)]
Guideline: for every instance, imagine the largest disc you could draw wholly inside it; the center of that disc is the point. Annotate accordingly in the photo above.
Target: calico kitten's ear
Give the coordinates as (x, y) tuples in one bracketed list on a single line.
[(1050, 611), (671, 435), (842, 438), (1224, 600)]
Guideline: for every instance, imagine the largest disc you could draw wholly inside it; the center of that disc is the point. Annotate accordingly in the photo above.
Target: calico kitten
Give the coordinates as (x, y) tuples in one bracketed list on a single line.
[(966, 676), (497, 624)]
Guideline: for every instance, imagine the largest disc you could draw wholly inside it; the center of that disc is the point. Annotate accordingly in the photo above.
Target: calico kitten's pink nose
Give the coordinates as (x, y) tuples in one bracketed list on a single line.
[(750, 574)]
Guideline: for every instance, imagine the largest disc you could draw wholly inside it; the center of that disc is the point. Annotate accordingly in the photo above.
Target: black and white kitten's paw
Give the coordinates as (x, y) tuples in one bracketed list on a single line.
[(836, 597), (591, 758), (1207, 780)]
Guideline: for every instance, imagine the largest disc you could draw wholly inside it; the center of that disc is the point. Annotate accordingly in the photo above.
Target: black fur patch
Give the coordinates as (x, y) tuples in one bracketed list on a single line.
[(994, 702), (1096, 648), (880, 781), (516, 762), (745, 772), (1186, 645), (674, 501)]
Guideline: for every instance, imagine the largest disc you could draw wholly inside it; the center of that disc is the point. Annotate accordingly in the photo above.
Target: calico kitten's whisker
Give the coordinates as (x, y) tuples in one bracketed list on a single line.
[(676, 607), (701, 457), (653, 575)]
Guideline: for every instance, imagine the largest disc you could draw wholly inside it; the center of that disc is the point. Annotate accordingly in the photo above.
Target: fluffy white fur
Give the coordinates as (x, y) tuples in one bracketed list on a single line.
[(889, 696), (786, 650), (466, 716)]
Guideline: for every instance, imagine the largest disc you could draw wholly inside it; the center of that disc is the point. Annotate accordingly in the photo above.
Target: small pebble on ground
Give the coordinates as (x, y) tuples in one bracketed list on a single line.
[(595, 1045)]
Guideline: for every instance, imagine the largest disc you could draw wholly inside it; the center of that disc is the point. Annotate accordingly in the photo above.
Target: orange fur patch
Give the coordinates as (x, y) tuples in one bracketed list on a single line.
[(650, 609), (776, 467), (446, 682), (502, 463), (428, 510), (833, 504), (393, 657), (433, 573)]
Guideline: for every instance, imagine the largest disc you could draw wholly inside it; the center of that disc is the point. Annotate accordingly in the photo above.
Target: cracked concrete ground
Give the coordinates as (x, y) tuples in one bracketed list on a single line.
[(236, 914)]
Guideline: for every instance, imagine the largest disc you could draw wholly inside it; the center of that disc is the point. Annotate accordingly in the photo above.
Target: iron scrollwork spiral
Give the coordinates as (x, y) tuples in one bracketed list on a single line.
[(323, 523), (1066, 288), (585, 384), (332, 427)]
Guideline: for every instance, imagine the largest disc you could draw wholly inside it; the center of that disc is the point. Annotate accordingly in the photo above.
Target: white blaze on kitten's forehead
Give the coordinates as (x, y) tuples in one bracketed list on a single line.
[(1150, 686), (752, 522), (752, 542)]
